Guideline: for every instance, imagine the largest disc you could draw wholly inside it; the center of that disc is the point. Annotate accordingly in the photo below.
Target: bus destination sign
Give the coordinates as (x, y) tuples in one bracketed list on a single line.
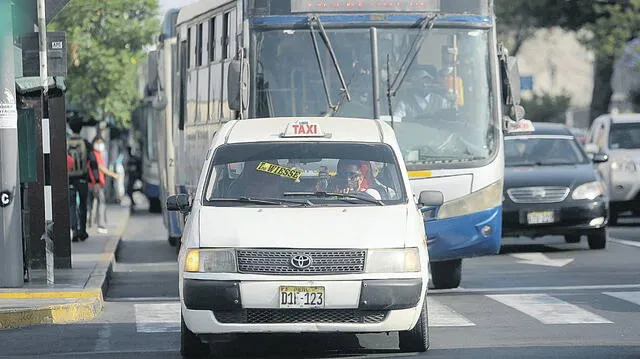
[(300, 6)]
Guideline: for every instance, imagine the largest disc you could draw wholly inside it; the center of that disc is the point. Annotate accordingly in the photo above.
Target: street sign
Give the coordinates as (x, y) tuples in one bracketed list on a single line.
[(56, 54)]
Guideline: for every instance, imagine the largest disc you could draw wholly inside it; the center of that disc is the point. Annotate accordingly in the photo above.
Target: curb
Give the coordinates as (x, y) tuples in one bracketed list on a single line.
[(88, 303)]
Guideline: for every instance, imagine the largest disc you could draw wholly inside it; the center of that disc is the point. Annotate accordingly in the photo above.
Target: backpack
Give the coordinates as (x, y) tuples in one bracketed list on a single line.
[(77, 149)]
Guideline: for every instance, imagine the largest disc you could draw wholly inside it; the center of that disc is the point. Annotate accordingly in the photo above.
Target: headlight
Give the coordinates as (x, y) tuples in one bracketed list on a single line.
[(393, 260), (590, 191), (627, 166), (211, 261), (486, 198)]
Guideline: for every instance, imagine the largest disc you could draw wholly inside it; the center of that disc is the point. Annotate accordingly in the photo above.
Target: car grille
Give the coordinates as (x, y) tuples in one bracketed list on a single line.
[(538, 194), (278, 261), (282, 316)]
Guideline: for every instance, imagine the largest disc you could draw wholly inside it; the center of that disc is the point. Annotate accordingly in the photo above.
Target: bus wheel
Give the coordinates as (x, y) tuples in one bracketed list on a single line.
[(155, 206), (446, 274)]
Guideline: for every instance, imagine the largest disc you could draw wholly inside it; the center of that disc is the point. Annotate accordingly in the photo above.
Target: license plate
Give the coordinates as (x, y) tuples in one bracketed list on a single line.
[(302, 297), (540, 217)]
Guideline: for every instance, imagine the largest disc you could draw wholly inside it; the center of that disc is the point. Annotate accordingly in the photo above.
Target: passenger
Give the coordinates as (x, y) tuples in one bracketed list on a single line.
[(255, 184), (355, 176)]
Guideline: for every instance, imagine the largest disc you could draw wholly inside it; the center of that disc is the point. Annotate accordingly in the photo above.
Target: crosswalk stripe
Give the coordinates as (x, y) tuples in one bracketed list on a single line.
[(157, 317), (441, 315), (548, 309), (633, 297)]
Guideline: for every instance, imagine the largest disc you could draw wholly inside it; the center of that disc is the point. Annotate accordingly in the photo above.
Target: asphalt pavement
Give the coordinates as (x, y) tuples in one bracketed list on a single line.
[(536, 299)]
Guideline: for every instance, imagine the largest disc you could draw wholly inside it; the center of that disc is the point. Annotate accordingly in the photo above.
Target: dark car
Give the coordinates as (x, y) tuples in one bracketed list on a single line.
[(551, 187)]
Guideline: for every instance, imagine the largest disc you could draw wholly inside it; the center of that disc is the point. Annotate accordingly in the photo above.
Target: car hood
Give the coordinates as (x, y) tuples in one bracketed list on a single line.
[(534, 176), (322, 227)]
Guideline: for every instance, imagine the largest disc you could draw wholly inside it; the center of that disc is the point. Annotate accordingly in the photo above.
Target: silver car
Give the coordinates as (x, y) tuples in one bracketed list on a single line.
[(618, 135)]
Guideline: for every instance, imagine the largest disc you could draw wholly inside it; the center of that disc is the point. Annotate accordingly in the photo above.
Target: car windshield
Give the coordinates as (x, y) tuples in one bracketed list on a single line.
[(304, 174), (542, 151), (442, 110), (625, 136)]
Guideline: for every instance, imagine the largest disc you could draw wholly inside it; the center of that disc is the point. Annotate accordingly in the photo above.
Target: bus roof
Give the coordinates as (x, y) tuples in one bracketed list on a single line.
[(198, 8)]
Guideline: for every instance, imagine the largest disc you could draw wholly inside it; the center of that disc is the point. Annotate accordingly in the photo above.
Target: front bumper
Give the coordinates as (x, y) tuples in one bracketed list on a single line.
[(571, 218), (463, 237), (219, 307)]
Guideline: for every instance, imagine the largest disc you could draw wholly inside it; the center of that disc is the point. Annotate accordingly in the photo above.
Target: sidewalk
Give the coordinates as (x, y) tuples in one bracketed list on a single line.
[(78, 292)]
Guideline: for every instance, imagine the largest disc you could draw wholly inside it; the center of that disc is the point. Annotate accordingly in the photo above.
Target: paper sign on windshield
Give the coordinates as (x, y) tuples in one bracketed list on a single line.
[(278, 170)]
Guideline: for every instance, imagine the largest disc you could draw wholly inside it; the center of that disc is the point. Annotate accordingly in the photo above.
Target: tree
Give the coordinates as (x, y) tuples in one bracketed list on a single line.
[(515, 23), (106, 39), (547, 108)]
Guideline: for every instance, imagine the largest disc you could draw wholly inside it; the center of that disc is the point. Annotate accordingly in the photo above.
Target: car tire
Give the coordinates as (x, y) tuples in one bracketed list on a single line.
[(416, 339), (173, 241), (572, 238), (446, 274), (598, 239), (190, 345)]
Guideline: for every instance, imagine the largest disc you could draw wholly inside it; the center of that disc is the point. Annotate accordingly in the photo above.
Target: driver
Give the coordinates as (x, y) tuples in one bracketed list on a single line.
[(354, 177), (421, 95)]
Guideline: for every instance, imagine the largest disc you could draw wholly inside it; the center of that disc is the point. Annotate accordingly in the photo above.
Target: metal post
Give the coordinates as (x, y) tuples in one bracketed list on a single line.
[(11, 261), (375, 73)]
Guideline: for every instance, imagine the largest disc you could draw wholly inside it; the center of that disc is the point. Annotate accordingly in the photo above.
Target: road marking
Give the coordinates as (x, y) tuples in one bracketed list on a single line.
[(541, 260), (633, 297), (532, 289), (441, 315), (157, 317), (625, 242), (549, 310), (104, 336)]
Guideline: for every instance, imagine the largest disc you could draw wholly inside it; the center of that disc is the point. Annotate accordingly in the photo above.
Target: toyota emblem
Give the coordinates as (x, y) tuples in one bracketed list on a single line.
[(301, 261)]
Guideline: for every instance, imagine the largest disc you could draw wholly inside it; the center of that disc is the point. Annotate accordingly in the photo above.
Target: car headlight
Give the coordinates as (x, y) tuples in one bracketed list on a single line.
[(590, 191), (211, 261), (627, 166), (393, 260), (486, 198)]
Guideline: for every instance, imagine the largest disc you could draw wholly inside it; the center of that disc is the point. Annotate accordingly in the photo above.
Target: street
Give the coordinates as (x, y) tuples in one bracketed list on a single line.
[(546, 299)]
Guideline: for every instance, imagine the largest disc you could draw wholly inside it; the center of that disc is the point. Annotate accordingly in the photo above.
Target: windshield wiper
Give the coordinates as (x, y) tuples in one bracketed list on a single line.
[(392, 86), (322, 194), (323, 74), (267, 201)]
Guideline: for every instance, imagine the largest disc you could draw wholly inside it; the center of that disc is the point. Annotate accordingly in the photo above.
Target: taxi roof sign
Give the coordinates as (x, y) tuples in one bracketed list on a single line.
[(522, 126), (303, 129)]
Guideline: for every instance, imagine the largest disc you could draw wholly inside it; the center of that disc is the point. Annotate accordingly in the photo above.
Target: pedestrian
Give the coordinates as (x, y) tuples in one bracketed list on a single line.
[(81, 152), (134, 173), (97, 184)]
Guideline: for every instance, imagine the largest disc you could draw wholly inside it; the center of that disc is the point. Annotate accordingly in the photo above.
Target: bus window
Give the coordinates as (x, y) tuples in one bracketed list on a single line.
[(212, 40), (225, 35), (199, 46)]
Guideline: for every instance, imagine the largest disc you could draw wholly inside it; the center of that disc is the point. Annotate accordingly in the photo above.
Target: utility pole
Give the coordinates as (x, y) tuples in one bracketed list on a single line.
[(11, 263)]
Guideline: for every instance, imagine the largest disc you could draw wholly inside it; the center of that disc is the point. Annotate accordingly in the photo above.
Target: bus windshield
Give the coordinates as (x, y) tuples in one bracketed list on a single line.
[(442, 111)]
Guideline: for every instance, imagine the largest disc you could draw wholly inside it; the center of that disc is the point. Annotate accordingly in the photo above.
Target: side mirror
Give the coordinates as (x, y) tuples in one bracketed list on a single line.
[(238, 84), (600, 157), (430, 202), (179, 202)]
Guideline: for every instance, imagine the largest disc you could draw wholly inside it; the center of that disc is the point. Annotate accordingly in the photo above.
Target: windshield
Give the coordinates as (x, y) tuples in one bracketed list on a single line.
[(625, 136), (541, 151), (442, 110), (304, 174)]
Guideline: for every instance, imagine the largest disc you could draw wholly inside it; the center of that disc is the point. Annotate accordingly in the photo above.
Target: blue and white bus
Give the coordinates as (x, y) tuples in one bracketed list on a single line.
[(433, 69)]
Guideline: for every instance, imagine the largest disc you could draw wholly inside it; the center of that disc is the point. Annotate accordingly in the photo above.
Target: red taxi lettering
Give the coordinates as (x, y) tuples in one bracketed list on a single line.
[(305, 129)]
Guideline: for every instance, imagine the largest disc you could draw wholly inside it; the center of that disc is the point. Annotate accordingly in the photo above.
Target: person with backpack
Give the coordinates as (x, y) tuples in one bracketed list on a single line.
[(134, 173), (97, 186), (80, 152)]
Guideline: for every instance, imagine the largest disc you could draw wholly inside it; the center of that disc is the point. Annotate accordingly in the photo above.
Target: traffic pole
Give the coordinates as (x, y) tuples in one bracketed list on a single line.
[(11, 261)]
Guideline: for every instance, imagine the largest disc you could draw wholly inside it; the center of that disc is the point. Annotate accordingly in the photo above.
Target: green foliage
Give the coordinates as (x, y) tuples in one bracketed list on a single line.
[(106, 40), (547, 108)]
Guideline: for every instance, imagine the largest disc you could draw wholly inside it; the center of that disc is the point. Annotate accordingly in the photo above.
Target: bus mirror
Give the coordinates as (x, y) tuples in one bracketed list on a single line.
[(513, 74), (237, 84)]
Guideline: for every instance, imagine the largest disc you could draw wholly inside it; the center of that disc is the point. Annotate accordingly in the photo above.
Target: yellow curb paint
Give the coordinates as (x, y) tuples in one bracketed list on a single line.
[(420, 174), (55, 314), (51, 295)]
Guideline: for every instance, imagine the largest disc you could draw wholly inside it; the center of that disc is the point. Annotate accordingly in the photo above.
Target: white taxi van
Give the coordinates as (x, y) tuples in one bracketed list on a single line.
[(300, 226)]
